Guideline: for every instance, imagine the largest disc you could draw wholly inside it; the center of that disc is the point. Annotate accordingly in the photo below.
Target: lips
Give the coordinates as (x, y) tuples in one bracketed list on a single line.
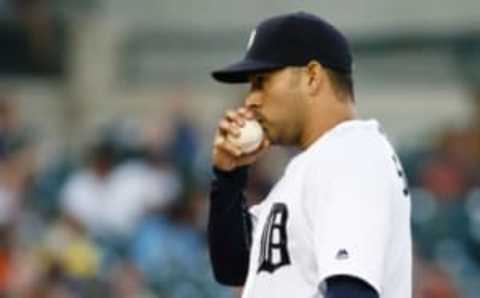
[(262, 123)]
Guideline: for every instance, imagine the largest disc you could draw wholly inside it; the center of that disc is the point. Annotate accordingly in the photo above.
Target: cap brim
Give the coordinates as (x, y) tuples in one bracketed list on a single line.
[(240, 71)]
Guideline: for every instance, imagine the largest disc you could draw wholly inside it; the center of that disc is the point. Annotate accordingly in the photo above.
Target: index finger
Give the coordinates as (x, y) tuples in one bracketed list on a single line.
[(246, 113)]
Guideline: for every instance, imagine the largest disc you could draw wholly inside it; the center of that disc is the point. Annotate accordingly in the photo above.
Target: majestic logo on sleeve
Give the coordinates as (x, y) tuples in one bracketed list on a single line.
[(342, 254), (274, 250)]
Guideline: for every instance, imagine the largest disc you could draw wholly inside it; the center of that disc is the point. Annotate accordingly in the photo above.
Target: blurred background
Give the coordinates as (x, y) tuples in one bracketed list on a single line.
[(107, 113)]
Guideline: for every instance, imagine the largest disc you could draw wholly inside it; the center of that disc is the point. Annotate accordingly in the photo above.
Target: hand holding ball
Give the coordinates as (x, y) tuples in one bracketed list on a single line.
[(250, 138)]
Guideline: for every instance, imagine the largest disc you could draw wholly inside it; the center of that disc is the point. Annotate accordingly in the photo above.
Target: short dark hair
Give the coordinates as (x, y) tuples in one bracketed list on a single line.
[(342, 83)]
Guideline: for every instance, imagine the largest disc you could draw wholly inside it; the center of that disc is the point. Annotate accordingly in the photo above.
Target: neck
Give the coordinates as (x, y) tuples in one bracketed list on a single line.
[(317, 123)]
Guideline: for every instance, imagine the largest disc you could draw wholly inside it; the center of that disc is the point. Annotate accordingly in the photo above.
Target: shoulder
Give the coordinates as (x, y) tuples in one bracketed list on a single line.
[(357, 143), (355, 154)]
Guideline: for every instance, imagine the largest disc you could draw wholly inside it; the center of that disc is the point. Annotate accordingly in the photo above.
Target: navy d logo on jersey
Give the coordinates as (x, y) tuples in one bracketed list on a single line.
[(274, 250)]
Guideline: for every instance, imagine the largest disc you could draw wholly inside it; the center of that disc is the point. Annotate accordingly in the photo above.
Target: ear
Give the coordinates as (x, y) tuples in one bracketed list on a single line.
[(316, 77)]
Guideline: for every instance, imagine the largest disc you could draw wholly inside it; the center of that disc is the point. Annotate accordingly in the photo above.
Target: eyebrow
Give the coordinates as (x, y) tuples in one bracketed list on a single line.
[(263, 75), (256, 75)]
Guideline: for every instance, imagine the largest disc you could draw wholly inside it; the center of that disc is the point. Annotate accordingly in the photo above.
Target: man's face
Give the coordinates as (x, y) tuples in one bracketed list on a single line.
[(277, 100)]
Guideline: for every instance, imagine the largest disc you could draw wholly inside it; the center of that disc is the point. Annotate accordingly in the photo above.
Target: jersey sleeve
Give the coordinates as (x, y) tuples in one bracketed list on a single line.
[(350, 215)]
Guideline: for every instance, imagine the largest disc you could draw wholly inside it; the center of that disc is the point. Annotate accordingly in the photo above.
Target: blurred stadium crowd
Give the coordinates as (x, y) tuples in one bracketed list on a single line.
[(126, 216), (128, 219), (124, 220)]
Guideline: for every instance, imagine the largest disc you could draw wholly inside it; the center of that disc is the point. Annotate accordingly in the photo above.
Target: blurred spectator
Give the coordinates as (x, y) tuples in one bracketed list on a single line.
[(170, 250), (8, 120), (67, 245), (6, 258), (86, 193), (127, 282), (27, 269), (436, 283), (183, 144), (136, 187), (110, 201), (443, 203), (451, 169), (16, 170)]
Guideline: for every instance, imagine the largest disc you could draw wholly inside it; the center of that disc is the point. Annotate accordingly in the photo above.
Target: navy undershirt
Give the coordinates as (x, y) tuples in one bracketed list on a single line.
[(343, 286)]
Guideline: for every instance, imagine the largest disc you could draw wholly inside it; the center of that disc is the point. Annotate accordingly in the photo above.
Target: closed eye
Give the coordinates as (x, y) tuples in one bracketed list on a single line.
[(258, 82)]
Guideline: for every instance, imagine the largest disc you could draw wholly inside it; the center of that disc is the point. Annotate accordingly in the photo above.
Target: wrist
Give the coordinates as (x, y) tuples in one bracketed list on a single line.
[(237, 177)]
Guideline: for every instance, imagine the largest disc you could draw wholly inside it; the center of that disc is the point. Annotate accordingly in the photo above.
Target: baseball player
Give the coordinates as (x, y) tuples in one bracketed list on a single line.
[(337, 223)]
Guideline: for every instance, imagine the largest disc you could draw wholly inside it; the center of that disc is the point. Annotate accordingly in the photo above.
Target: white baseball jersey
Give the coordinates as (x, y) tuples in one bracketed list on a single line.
[(342, 207)]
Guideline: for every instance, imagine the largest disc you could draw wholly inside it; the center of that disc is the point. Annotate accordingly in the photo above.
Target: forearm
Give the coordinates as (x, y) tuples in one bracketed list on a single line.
[(229, 227)]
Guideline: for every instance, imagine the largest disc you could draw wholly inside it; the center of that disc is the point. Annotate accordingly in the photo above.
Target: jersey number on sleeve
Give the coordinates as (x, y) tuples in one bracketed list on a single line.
[(273, 250), (401, 174)]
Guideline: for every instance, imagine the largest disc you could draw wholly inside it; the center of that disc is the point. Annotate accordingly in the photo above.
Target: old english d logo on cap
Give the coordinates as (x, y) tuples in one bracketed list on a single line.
[(251, 39)]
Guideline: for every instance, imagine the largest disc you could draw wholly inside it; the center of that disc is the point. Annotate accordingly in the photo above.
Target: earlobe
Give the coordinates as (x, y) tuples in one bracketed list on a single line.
[(315, 78)]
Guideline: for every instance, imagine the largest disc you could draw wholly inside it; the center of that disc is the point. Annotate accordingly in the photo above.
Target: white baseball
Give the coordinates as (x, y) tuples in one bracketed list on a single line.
[(250, 138)]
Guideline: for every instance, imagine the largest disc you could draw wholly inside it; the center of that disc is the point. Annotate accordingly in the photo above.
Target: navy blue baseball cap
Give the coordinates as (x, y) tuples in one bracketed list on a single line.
[(290, 40)]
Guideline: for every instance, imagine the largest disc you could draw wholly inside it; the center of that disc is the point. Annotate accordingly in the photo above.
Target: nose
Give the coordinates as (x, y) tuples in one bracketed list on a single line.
[(253, 100)]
